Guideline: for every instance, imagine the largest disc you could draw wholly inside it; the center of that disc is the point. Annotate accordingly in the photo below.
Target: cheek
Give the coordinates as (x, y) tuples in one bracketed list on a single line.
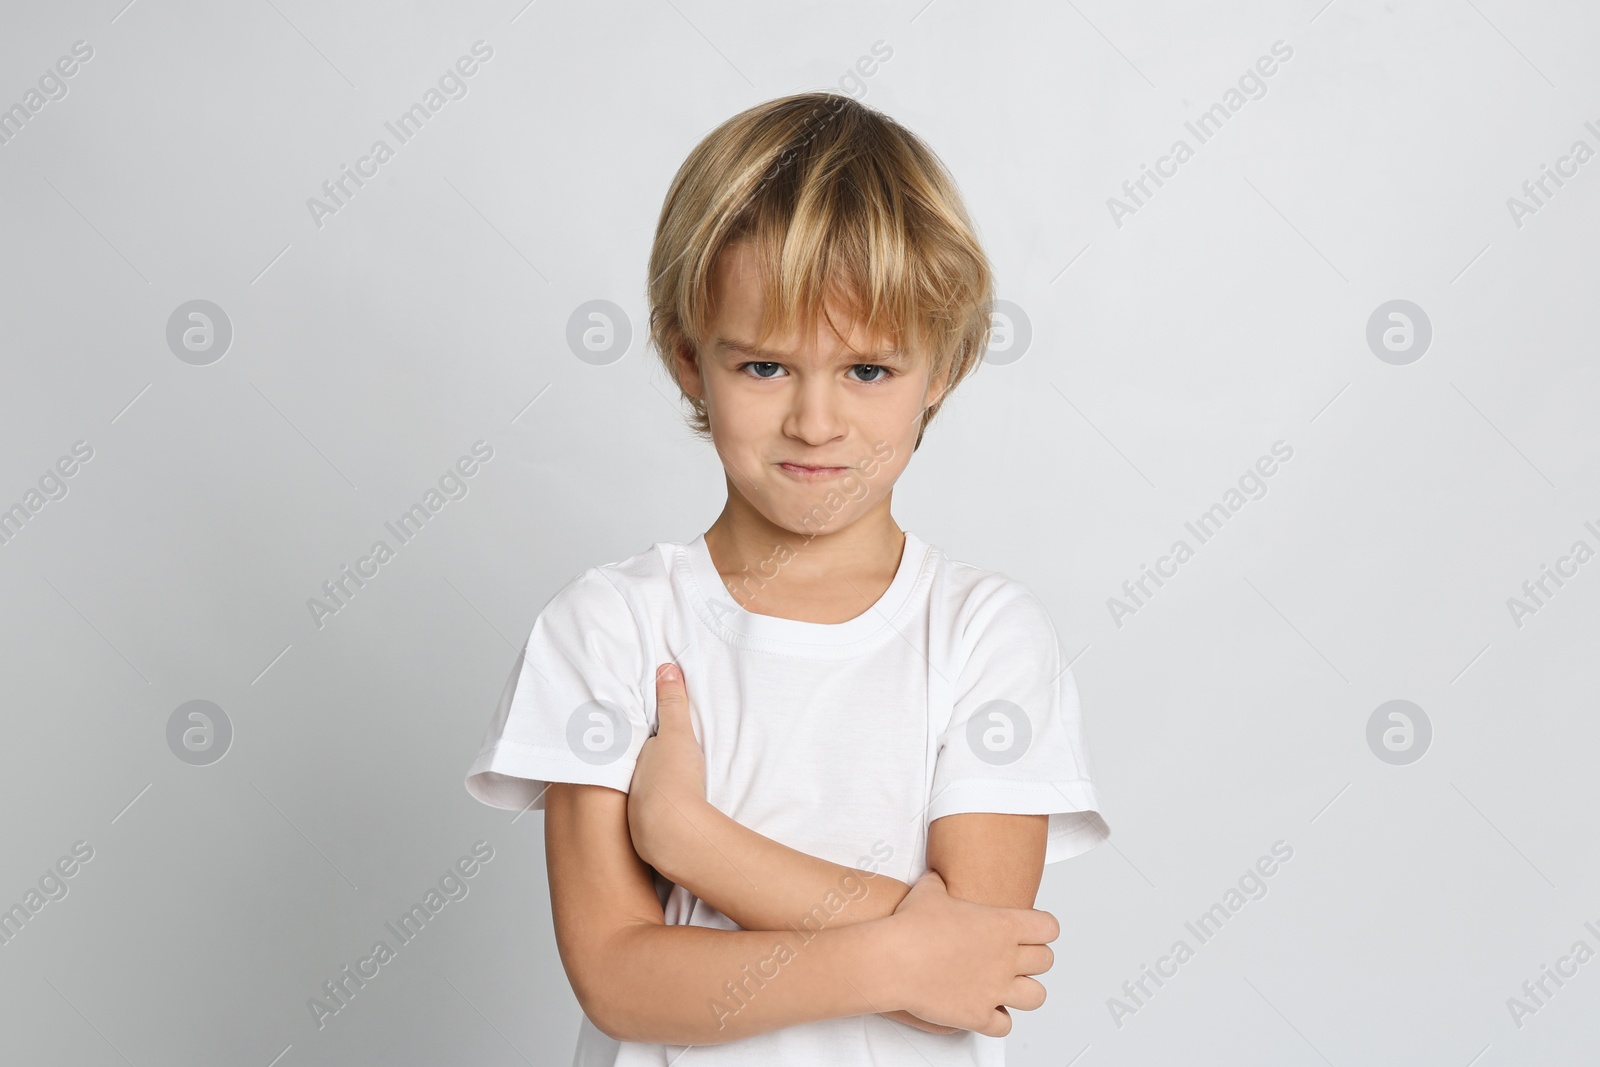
[(886, 473), (902, 413), (735, 416), (741, 431)]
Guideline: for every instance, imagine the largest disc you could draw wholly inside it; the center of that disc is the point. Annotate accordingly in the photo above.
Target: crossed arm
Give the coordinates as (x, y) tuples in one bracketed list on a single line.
[(601, 845), (987, 858)]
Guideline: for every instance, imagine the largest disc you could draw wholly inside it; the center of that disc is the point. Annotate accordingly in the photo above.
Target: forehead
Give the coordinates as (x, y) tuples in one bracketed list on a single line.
[(739, 300)]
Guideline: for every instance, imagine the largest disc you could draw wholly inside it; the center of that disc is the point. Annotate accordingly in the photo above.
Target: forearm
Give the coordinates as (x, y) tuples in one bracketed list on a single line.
[(692, 985), (764, 885)]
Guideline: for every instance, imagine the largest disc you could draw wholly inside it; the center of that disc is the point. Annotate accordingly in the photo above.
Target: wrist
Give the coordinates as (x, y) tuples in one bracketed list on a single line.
[(888, 985)]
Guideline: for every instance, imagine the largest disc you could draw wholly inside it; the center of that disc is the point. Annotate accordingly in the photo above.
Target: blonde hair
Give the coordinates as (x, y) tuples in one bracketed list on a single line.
[(845, 207)]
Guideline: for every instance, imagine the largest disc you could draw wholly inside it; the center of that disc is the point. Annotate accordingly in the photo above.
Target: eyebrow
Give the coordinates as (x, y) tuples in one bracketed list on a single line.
[(888, 355)]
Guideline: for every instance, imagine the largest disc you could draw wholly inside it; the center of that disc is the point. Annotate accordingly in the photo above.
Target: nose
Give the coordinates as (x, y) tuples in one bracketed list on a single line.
[(816, 414)]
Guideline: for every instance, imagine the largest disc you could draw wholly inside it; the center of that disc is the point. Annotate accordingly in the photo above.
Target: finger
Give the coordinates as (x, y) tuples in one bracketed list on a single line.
[(1036, 927), (672, 699), (997, 1024), (1035, 959), (1025, 993)]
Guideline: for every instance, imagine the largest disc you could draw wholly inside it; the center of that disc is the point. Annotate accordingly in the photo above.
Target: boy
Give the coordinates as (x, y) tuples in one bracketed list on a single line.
[(817, 838)]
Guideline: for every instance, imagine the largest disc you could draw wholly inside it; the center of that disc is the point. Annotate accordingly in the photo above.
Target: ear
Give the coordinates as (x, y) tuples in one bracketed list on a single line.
[(688, 363)]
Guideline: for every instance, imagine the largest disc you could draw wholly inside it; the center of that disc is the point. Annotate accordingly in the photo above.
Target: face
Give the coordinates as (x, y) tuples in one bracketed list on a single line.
[(804, 401)]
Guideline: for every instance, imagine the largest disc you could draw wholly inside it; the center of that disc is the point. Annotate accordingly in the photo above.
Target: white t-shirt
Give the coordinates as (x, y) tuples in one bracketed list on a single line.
[(842, 740)]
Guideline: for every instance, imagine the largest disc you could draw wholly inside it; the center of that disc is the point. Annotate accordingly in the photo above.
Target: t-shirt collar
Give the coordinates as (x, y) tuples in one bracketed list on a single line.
[(732, 619)]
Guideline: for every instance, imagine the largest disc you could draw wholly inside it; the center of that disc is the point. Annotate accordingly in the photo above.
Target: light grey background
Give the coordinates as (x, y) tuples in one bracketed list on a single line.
[(1167, 354)]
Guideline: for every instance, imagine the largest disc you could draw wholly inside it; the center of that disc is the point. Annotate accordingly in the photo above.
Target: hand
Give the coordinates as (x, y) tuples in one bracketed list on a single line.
[(669, 779), (962, 963), (903, 1016)]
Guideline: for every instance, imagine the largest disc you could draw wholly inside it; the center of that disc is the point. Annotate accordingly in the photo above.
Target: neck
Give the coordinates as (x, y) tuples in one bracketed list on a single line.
[(742, 540)]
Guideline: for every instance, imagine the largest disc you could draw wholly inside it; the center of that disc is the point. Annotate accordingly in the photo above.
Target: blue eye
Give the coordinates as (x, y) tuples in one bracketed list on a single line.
[(883, 373)]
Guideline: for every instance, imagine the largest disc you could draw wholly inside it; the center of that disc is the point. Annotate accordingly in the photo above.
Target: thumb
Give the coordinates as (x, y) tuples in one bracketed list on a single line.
[(672, 699)]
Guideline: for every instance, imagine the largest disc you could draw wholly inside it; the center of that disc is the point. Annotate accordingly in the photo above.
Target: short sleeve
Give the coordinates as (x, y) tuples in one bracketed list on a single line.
[(1015, 743), (573, 708)]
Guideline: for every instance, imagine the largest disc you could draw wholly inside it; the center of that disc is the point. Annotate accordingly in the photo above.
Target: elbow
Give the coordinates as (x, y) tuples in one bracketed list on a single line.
[(604, 1024), (616, 1019), (635, 1020), (612, 1003), (597, 1009), (602, 1002), (620, 1020), (591, 972), (608, 1012)]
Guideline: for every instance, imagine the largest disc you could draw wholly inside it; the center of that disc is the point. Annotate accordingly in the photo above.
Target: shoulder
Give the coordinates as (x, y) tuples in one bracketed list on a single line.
[(981, 595), (643, 569), (988, 607), (612, 591)]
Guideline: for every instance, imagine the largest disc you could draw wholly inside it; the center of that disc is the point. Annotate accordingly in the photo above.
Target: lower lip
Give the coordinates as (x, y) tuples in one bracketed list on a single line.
[(812, 474)]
